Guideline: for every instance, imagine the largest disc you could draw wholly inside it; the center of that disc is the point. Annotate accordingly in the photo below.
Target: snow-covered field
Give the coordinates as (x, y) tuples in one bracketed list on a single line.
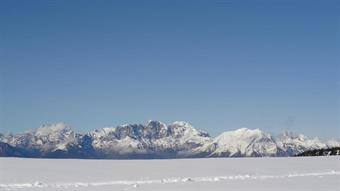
[(312, 173)]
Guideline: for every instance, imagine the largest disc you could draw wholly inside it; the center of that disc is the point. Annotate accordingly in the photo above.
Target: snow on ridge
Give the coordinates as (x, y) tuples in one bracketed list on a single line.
[(244, 142), (156, 138), (182, 124), (49, 128), (46, 138)]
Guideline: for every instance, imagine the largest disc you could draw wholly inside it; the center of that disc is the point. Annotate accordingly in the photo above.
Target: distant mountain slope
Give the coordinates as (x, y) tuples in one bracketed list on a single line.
[(244, 142), (321, 152), (154, 140), (7, 150)]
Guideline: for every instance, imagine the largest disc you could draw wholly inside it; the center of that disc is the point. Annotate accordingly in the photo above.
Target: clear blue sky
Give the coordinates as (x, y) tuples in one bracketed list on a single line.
[(219, 65)]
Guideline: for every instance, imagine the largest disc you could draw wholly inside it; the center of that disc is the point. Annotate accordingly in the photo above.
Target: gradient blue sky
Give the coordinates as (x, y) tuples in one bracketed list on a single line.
[(219, 65)]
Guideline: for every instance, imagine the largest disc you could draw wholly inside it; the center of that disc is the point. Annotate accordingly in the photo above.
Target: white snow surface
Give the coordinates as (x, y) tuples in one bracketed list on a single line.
[(264, 173)]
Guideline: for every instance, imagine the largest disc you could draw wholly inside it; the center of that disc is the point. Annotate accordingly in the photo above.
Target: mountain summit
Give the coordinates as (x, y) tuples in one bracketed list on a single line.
[(154, 140)]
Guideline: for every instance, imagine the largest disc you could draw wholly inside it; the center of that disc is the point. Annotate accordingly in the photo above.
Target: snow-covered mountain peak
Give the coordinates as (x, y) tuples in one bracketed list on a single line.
[(156, 139), (244, 142), (333, 143), (289, 135), (241, 134), (182, 128), (53, 129), (154, 136), (245, 132), (49, 137), (155, 125), (292, 143), (103, 132), (181, 124)]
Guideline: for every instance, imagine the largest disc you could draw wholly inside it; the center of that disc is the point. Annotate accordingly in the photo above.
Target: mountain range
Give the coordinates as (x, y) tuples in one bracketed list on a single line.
[(154, 140)]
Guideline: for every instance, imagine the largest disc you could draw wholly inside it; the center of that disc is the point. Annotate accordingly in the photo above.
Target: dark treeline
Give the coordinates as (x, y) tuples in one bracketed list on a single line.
[(321, 152)]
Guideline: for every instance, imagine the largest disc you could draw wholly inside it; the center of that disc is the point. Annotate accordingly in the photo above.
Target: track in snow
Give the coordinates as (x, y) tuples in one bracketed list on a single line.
[(241, 174), (172, 180)]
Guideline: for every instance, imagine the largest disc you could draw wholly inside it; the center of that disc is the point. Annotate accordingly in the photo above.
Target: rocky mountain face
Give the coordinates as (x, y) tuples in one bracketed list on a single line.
[(154, 140)]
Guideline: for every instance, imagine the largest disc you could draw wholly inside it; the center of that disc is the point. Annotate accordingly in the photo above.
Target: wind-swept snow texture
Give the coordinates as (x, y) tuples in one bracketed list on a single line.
[(297, 174)]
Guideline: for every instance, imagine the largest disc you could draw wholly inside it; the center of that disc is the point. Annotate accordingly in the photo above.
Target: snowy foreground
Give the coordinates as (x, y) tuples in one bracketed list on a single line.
[(311, 173)]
